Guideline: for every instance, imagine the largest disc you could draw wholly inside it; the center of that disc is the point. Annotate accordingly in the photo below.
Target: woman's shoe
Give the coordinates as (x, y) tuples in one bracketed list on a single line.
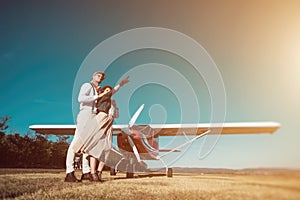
[(86, 176), (99, 176), (94, 178)]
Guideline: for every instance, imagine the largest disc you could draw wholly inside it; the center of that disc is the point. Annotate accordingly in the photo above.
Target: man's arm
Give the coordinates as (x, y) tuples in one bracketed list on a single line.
[(123, 82), (84, 94)]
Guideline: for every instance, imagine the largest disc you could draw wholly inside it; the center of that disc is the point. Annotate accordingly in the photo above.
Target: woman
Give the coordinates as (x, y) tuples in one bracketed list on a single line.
[(97, 140)]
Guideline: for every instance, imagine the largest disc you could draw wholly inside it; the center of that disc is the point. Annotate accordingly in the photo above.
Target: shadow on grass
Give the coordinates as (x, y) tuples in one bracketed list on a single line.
[(137, 176)]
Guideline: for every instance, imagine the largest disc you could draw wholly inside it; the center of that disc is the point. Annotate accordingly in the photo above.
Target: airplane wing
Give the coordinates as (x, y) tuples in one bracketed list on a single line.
[(55, 129), (176, 129), (216, 128)]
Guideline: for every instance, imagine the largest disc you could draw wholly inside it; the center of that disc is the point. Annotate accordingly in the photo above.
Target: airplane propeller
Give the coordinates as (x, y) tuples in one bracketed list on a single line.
[(135, 116), (130, 125)]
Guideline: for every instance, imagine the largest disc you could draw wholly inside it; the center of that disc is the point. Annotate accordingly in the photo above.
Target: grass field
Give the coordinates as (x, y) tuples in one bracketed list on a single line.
[(49, 184)]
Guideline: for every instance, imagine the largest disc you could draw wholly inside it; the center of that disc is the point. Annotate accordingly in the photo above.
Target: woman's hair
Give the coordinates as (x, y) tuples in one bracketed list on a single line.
[(104, 87)]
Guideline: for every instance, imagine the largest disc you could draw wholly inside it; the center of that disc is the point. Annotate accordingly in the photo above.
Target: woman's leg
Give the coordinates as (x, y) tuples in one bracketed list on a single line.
[(94, 174), (100, 166), (93, 165)]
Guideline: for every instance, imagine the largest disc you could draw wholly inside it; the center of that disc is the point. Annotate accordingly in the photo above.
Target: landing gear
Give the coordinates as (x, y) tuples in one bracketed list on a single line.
[(113, 172), (129, 164), (169, 172), (129, 175), (130, 169)]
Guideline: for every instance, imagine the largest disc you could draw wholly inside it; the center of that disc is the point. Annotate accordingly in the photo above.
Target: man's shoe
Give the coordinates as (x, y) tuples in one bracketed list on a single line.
[(86, 176), (70, 177)]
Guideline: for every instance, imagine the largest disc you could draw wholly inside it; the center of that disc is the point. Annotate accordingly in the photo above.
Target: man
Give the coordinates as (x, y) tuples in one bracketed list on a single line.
[(87, 97)]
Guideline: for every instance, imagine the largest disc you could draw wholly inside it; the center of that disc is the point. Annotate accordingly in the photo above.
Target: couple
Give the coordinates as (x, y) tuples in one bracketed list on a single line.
[(93, 135)]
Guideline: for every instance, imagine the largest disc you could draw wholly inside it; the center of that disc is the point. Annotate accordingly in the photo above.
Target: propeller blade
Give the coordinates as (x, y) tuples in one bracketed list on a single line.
[(135, 151), (126, 131), (135, 116)]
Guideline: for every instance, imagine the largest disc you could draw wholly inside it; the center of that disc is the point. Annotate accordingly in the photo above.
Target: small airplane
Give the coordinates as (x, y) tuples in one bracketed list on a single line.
[(136, 143)]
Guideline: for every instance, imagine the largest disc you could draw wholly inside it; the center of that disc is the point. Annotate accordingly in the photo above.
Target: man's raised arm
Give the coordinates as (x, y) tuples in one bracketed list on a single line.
[(123, 82)]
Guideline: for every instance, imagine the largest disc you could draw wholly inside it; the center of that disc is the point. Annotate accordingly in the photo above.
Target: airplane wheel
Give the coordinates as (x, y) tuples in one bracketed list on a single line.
[(129, 175), (129, 171), (169, 172), (113, 172)]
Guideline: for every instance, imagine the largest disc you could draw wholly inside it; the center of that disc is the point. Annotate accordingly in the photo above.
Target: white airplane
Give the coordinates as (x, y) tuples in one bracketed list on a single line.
[(140, 142)]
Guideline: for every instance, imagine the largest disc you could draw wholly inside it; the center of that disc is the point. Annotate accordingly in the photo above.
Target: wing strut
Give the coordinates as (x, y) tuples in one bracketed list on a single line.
[(184, 144)]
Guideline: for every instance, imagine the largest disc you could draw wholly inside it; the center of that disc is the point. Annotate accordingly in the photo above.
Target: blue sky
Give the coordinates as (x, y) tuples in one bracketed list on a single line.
[(255, 45)]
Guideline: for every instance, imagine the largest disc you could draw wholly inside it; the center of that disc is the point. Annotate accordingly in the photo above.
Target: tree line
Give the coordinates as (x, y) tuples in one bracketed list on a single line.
[(31, 150)]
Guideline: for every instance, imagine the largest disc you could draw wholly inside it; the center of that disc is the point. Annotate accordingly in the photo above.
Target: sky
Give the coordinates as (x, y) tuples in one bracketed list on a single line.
[(255, 46)]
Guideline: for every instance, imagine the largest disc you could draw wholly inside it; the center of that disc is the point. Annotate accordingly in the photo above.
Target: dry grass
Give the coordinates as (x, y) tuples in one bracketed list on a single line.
[(49, 184)]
